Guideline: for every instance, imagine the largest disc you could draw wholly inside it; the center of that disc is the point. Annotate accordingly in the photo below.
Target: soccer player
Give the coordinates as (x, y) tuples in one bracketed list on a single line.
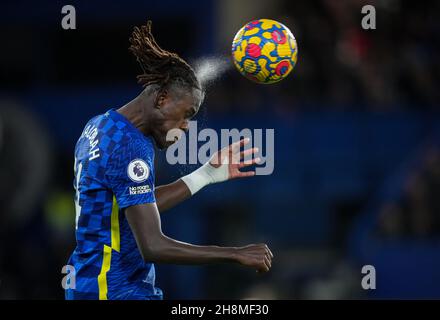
[(118, 228)]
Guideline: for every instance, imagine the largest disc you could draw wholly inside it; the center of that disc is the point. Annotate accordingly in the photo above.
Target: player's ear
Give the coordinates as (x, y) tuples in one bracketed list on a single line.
[(161, 98)]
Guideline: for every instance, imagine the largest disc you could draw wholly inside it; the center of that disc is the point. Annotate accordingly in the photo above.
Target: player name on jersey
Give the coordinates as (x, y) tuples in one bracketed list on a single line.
[(90, 133)]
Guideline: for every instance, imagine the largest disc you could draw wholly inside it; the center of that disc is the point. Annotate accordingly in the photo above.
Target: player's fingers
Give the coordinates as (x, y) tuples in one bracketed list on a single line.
[(263, 269), (244, 142), (245, 174), (249, 163), (234, 158), (247, 152), (234, 147), (270, 252), (267, 261), (265, 266)]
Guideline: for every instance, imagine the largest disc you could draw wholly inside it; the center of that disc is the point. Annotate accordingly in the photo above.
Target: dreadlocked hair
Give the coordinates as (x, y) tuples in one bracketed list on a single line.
[(159, 66)]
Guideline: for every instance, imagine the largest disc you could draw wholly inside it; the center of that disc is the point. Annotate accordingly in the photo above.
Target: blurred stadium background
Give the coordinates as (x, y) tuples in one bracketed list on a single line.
[(357, 165)]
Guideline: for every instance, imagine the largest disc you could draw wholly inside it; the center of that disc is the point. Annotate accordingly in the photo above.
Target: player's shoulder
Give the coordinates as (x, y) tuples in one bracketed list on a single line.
[(109, 132), (121, 133), (108, 123), (114, 126)]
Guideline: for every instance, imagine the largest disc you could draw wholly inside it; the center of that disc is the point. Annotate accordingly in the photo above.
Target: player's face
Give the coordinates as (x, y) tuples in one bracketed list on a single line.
[(176, 109)]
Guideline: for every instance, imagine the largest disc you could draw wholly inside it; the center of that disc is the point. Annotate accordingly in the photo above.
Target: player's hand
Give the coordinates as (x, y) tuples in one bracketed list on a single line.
[(232, 157), (257, 256), (224, 164)]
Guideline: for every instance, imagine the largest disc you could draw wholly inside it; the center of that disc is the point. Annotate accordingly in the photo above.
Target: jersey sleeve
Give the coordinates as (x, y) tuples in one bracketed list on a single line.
[(130, 174)]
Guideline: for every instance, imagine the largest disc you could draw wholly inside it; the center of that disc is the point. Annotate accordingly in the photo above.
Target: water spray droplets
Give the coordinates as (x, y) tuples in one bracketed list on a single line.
[(209, 69)]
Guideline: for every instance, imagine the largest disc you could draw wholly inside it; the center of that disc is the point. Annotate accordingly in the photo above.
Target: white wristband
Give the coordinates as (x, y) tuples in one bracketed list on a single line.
[(205, 175)]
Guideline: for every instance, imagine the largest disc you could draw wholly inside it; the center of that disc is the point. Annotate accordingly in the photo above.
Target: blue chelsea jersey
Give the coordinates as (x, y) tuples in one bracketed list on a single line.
[(114, 169)]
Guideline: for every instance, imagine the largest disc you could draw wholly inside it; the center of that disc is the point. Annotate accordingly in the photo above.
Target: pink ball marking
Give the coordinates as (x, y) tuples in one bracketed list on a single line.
[(282, 68), (279, 37), (252, 24), (253, 50)]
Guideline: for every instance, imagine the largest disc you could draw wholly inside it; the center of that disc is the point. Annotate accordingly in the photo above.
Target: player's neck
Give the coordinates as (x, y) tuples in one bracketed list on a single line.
[(135, 112)]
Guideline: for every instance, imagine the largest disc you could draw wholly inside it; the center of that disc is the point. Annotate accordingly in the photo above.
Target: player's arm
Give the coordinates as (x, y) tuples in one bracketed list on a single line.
[(224, 165), (169, 195), (154, 246)]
